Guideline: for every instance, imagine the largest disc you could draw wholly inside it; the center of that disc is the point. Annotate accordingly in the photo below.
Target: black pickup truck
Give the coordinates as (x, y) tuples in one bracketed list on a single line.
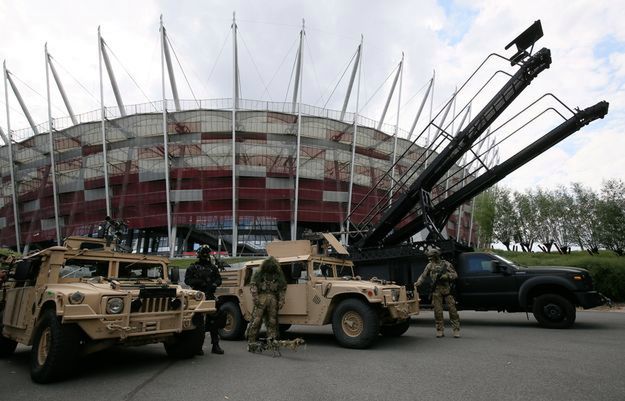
[(490, 282)]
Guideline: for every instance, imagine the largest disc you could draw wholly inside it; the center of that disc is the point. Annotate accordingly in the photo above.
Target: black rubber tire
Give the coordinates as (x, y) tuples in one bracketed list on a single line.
[(355, 324), (7, 346), (283, 328), (553, 311), (56, 348), (235, 324), (395, 330), (188, 343)]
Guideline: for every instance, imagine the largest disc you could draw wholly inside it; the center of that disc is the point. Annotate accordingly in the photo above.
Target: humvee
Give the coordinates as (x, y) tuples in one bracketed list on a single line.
[(321, 289), (66, 301)]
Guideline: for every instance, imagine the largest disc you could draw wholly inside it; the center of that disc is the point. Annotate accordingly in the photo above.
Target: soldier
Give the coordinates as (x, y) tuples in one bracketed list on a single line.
[(204, 276), (442, 274), (268, 289)]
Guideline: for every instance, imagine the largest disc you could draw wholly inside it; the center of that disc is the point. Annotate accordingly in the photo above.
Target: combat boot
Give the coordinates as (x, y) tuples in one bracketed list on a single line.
[(456, 333), (440, 333), (217, 349)]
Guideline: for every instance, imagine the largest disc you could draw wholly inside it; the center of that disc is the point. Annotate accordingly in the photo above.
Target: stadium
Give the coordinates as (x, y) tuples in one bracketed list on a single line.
[(280, 171)]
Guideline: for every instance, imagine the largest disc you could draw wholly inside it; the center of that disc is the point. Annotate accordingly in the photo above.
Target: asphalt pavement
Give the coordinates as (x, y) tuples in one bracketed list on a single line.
[(499, 357)]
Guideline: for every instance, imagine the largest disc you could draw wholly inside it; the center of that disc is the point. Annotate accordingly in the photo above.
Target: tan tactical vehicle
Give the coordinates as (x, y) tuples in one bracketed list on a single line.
[(322, 289), (84, 296)]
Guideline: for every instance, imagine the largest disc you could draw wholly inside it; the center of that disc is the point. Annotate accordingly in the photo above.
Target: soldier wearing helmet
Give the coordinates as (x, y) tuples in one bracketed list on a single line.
[(442, 274), (204, 276)]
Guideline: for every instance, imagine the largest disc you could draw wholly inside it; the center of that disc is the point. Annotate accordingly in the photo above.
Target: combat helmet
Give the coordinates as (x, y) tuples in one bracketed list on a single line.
[(204, 252), (433, 252)]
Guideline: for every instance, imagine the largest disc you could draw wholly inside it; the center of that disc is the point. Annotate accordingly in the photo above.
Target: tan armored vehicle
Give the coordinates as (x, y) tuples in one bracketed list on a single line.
[(84, 296), (322, 289)]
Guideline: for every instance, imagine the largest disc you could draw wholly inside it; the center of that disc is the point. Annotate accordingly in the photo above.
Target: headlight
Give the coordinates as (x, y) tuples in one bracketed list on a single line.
[(76, 298), (114, 306), (175, 303)]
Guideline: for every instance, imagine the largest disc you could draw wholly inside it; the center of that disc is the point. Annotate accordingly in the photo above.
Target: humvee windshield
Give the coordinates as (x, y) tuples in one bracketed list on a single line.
[(81, 268), (135, 270)]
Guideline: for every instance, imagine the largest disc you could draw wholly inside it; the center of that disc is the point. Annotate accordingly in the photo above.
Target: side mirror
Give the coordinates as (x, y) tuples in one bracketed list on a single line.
[(174, 275)]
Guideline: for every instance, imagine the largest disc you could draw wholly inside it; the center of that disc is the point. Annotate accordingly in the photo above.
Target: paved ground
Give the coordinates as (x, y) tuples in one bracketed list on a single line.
[(499, 357)]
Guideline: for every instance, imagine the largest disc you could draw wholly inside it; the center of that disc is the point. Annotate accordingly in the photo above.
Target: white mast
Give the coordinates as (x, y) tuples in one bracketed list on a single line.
[(353, 162), (298, 84), (171, 238), (103, 118), (235, 105), (401, 77), (12, 164), (52, 161)]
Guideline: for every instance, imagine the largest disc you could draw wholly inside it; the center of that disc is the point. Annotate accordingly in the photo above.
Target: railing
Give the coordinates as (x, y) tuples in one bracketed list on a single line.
[(205, 104)]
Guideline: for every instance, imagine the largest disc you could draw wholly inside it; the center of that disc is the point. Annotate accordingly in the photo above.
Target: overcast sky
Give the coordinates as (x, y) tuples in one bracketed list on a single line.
[(586, 39)]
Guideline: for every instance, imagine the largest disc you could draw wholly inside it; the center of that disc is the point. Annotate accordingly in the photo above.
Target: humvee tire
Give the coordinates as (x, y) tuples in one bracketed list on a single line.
[(283, 328), (186, 344), (554, 311), (395, 330), (7, 346), (235, 324), (55, 348), (355, 324)]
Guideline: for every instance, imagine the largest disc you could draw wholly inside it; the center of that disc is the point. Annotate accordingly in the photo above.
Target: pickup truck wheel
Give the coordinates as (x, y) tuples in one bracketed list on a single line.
[(235, 324), (186, 344), (395, 330), (355, 324), (554, 311), (55, 349)]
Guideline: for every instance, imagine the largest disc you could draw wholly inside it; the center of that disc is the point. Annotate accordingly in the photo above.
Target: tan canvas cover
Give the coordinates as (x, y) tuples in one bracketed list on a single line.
[(283, 249)]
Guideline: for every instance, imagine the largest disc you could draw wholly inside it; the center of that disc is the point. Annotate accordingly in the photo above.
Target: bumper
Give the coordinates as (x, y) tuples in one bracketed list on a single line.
[(591, 299), (132, 326), (404, 310)]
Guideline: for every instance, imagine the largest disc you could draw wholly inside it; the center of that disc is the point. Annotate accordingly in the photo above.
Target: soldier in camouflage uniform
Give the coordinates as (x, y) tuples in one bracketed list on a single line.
[(442, 274), (268, 287), (204, 276)]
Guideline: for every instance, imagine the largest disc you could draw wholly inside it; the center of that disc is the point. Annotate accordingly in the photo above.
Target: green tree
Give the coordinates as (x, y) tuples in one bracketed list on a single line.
[(526, 218), (611, 216), (504, 225), (584, 219), (484, 215)]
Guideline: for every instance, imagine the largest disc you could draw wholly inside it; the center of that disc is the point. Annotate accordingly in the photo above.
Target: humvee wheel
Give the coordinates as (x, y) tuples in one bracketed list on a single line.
[(7, 346), (355, 324), (395, 330), (554, 311), (55, 348), (235, 324), (188, 343)]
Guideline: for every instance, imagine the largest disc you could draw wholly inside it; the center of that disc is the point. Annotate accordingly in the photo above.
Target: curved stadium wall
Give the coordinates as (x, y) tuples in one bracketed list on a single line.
[(200, 156)]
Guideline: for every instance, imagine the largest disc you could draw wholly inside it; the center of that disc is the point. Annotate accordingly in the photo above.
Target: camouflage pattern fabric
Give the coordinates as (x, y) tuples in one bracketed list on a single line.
[(268, 287), (442, 274), (274, 346), (266, 308)]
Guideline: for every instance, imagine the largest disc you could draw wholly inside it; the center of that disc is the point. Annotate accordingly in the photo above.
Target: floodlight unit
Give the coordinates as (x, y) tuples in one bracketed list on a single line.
[(525, 41)]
